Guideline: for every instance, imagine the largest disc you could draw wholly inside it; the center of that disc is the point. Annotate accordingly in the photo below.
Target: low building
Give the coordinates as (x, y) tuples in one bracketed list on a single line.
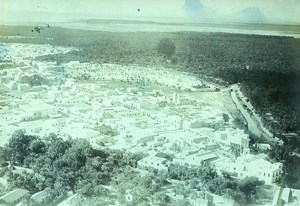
[(72, 200), (232, 136), (2, 171), (23, 87), (3, 183), (284, 197), (264, 147), (196, 159), (40, 198), (37, 110), (153, 162), (147, 138), (250, 165), (175, 121), (14, 197)]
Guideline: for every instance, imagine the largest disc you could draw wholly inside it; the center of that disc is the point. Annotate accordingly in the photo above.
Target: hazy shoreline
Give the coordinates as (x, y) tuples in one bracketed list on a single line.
[(116, 25)]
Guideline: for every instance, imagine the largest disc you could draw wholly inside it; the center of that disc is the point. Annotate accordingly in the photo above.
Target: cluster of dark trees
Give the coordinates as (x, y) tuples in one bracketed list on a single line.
[(62, 165), (166, 48), (144, 189), (203, 179), (276, 93), (35, 80), (206, 178), (107, 130), (289, 155)]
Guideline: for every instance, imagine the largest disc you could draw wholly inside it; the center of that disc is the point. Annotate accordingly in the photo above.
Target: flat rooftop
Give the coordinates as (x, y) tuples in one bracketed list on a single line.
[(14, 195)]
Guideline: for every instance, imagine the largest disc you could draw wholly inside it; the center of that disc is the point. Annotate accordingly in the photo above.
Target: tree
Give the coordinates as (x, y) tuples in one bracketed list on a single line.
[(35, 80), (184, 202), (235, 149), (56, 147), (146, 181), (18, 147), (210, 201), (161, 198), (37, 146), (107, 130), (3, 153), (248, 186), (166, 48), (225, 117)]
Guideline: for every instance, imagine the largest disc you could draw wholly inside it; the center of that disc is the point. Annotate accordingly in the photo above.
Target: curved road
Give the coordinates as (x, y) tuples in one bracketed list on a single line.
[(255, 125)]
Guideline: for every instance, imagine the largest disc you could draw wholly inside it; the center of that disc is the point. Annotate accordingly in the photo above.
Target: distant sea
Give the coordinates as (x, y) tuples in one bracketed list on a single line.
[(172, 25)]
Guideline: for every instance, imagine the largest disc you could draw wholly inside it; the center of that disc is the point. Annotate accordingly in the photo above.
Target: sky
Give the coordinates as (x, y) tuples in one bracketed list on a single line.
[(276, 11)]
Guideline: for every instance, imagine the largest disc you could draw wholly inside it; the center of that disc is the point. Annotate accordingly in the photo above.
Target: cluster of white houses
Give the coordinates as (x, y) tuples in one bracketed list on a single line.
[(170, 121)]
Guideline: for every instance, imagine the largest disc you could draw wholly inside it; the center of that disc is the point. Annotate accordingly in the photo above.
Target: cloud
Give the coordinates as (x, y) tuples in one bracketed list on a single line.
[(194, 8), (252, 15)]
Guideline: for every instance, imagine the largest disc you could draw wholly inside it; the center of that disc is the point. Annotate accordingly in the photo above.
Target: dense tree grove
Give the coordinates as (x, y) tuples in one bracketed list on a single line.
[(207, 179), (35, 80), (62, 165), (289, 155), (166, 48)]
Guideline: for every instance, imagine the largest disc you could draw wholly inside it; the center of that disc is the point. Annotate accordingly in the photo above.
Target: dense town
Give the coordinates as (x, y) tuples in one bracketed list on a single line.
[(134, 109)]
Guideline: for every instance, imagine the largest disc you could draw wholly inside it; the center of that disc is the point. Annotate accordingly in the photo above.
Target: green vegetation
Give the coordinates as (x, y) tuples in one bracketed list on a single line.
[(235, 149), (206, 178), (62, 165), (166, 48), (107, 130), (289, 155), (35, 80)]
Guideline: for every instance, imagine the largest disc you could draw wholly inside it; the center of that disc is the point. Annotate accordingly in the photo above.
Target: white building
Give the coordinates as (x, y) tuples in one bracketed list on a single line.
[(232, 136), (23, 87), (37, 110), (250, 165), (175, 121), (153, 162), (195, 159)]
